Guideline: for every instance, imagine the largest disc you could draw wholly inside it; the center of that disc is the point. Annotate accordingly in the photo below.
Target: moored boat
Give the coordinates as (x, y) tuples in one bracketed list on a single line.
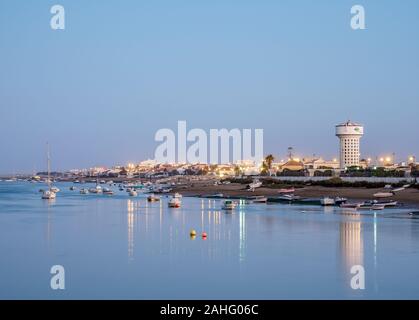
[(97, 189), (84, 191), (108, 191), (229, 205), (174, 202), (152, 198), (133, 193), (49, 194)]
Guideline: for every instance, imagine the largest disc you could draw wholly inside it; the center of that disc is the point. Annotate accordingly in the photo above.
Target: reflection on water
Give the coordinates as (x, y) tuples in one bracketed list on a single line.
[(351, 246), (242, 242), (351, 243), (255, 252), (132, 206)]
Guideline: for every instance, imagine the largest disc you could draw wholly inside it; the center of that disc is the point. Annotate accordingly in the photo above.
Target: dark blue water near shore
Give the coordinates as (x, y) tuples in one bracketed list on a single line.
[(120, 247)]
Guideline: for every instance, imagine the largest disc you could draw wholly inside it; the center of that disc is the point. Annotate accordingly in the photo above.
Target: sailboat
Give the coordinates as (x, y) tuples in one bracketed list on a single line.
[(49, 194)]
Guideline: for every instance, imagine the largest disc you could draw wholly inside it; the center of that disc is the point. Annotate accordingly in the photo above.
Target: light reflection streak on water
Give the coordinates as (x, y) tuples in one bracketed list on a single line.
[(242, 235), (130, 224)]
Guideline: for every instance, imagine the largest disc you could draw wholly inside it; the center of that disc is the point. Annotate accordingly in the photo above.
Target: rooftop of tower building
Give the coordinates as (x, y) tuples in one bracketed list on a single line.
[(349, 123)]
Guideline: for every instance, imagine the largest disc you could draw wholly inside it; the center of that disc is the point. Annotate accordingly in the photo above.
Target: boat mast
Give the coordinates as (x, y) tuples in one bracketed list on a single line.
[(49, 167)]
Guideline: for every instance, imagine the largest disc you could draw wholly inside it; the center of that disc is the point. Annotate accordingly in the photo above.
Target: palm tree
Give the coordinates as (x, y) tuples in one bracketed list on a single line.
[(268, 160)]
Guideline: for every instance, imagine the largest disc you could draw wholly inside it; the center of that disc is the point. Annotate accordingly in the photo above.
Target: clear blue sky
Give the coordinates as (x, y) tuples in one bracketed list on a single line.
[(99, 90)]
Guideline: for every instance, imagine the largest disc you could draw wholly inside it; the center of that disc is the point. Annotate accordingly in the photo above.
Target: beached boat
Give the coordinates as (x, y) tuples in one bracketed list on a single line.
[(286, 190), (229, 205), (215, 196), (152, 198), (371, 207), (255, 184), (385, 203), (383, 194), (326, 201), (285, 198), (174, 202), (307, 201), (257, 199), (350, 205), (339, 201), (84, 191), (289, 197)]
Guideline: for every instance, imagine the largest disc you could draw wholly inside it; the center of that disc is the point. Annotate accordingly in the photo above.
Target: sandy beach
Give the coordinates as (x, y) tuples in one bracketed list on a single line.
[(408, 197)]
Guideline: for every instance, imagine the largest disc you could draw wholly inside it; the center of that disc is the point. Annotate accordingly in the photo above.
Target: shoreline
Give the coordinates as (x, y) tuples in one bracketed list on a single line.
[(408, 197)]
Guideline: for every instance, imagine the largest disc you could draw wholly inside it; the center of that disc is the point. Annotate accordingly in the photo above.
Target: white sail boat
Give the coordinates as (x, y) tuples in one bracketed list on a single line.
[(49, 194)]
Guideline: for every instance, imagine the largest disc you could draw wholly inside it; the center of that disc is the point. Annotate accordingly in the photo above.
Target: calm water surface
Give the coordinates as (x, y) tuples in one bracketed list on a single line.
[(119, 247)]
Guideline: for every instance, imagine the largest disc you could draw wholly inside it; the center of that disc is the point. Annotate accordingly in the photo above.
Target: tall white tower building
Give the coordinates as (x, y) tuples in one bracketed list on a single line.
[(349, 134)]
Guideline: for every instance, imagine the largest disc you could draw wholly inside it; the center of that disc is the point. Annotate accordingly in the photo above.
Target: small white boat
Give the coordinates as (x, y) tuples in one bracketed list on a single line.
[(55, 189), (398, 189), (174, 203), (84, 191), (255, 184), (177, 195), (97, 189), (339, 201), (72, 188), (108, 191), (383, 194), (133, 193), (152, 198), (229, 205), (326, 201), (48, 195)]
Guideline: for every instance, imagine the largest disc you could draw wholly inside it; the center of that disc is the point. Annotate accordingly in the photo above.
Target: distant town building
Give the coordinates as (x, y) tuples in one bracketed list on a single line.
[(349, 134)]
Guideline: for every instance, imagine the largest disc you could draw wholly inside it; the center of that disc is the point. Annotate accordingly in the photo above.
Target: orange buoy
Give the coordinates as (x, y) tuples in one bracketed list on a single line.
[(192, 233)]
